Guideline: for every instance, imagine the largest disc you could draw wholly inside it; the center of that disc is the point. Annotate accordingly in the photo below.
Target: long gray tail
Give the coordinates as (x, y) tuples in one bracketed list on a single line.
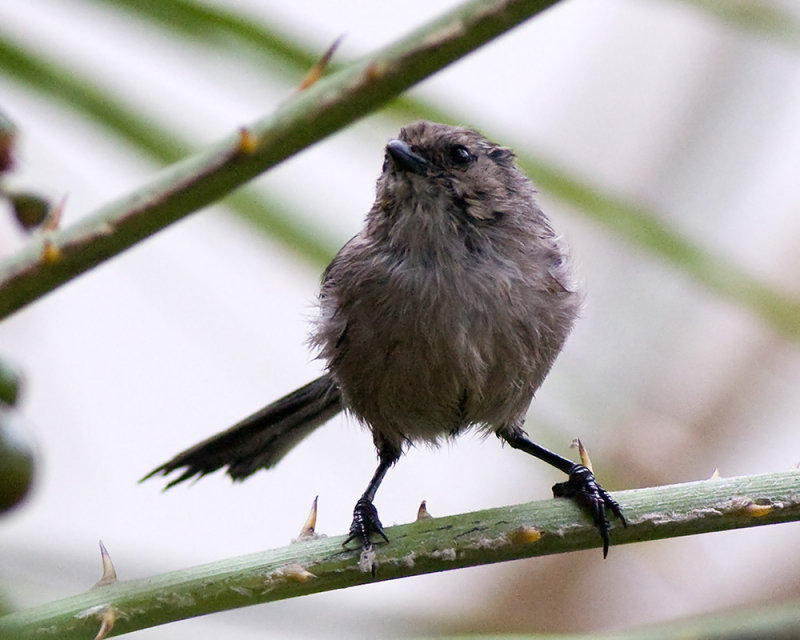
[(262, 439)]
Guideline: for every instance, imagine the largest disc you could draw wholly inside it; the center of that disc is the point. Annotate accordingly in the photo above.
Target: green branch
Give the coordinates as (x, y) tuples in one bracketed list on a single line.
[(640, 225), (303, 120), (160, 144), (648, 230), (768, 18), (772, 622), (425, 546)]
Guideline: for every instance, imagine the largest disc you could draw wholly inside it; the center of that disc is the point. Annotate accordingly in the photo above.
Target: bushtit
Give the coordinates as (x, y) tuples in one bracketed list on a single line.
[(444, 313)]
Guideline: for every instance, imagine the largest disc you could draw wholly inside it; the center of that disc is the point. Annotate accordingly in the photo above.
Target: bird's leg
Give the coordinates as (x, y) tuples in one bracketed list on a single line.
[(365, 515), (580, 486)]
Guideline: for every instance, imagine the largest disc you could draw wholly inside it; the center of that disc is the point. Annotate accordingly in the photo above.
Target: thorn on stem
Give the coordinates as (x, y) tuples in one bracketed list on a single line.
[(583, 453), (757, 510), (109, 573), (308, 531), (51, 254), (525, 535), (422, 512), (315, 72), (108, 617), (292, 573), (375, 71), (248, 143), (52, 220)]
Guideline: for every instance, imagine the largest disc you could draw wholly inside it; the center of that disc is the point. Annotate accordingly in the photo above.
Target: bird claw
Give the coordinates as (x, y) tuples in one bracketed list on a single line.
[(365, 523), (587, 492)]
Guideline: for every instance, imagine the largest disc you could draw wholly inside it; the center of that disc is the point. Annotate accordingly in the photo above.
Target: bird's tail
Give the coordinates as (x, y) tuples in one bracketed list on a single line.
[(262, 439)]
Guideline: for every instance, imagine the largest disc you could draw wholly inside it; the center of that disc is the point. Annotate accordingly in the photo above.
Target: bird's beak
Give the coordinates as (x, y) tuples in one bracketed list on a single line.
[(404, 158)]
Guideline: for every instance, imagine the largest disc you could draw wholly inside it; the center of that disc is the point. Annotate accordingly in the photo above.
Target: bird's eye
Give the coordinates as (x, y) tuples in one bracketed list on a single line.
[(460, 155)]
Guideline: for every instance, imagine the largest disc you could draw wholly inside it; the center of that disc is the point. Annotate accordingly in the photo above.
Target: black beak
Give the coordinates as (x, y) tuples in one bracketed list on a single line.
[(404, 158)]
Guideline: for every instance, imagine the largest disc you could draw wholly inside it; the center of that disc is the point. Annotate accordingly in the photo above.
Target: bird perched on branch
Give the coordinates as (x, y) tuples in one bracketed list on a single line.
[(444, 313)]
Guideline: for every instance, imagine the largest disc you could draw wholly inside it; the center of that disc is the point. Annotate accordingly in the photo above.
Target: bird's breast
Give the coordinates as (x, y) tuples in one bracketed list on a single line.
[(425, 351)]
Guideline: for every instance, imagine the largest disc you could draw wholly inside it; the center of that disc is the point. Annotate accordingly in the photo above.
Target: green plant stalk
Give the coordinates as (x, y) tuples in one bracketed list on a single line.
[(773, 622), (425, 546), (158, 143), (303, 120), (219, 25), (767, 19), (644, 227)]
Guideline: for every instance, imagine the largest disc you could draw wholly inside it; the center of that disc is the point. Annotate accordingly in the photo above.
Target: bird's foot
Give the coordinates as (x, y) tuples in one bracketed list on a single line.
[(365, 523), (585, 490)]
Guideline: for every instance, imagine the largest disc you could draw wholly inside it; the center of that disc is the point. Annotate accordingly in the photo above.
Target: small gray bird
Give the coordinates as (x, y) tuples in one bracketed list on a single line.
[(444, 313)]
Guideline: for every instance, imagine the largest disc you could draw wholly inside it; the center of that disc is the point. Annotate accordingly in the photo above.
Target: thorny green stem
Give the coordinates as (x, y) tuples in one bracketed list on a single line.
[(303, 120), (426, 546)]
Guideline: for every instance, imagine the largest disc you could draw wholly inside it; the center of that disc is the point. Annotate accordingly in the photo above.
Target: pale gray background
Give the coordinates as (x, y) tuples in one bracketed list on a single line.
[(204, 323)]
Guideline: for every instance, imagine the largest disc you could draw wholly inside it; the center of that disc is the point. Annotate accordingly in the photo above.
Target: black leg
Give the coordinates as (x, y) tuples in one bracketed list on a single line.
[(365, 515), (581, 485)]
